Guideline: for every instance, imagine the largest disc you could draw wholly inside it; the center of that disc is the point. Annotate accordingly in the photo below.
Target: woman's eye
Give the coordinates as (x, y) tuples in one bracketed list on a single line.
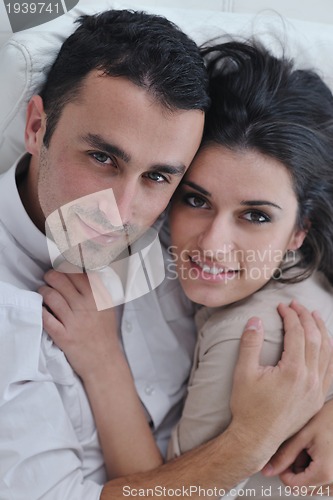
[(256, 217), (195, 201), (156, 177), (102, 158)]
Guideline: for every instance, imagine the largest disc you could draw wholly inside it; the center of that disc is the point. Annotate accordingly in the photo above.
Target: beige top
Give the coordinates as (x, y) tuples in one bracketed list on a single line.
[(206, 412)]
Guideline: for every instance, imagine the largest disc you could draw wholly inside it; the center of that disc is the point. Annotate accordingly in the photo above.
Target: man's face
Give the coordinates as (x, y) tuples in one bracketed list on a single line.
[(117, 149)]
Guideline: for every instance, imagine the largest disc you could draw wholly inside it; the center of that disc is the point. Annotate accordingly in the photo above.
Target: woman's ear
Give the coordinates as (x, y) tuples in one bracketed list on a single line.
[(35, 125), (298, 237)]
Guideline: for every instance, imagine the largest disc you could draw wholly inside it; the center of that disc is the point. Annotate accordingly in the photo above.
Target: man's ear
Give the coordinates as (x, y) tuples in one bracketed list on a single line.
[(35, 125)]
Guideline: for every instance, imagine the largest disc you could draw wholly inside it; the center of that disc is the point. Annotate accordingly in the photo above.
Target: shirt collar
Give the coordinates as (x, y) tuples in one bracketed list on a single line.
[(19, 224), (15, 217)]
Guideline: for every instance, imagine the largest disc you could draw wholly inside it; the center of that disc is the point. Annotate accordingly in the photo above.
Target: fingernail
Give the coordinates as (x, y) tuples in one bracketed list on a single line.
[(254, 324), (268, 470)]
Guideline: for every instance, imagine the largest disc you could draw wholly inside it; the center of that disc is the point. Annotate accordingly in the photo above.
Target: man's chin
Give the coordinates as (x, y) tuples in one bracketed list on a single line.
[(84, 257)]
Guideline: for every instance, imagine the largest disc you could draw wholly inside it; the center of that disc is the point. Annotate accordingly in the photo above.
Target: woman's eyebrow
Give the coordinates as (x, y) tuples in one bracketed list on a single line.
[(251, 203), (197, 187), (259, 203)]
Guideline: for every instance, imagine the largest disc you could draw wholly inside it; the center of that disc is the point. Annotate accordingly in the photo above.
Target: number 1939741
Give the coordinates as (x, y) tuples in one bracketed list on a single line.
[(33, 8), (303, 491)]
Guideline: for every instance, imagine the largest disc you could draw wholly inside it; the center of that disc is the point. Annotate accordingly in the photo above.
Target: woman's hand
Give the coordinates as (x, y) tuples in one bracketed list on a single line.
[(306, 459), (88, 337)]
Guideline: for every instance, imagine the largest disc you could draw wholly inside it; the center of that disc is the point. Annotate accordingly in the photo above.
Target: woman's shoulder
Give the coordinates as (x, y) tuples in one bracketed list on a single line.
[(314, 292), (228, 322)]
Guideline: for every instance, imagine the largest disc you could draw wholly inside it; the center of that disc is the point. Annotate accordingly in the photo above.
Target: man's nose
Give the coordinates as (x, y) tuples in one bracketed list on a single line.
[(118, 208)]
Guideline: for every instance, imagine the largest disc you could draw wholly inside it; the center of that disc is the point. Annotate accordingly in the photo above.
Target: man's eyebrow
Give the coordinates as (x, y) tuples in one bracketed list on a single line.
[(96, 141), (197, 187), (169, 169), (259, 203)]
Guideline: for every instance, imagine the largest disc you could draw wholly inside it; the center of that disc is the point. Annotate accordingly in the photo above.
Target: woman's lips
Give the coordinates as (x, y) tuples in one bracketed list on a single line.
[(213, 271)]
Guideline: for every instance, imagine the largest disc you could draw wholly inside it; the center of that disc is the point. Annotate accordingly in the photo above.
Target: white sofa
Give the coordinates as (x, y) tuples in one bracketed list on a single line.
[(25, 57), (307, 10)]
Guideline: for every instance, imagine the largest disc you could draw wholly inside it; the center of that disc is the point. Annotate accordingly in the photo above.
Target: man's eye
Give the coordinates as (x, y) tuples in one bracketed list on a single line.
[(257, 217), (156, 177), (102, 158)]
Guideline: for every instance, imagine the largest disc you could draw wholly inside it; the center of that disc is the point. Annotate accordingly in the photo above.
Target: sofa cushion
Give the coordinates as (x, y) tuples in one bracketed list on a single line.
[(27, 55)]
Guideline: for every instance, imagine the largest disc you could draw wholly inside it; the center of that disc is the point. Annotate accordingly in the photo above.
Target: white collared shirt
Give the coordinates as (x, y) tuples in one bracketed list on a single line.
[(48, 441)]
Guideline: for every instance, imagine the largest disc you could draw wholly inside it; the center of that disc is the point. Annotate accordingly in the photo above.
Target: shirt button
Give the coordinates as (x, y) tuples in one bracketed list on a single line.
[(128, 326), (149, 390)]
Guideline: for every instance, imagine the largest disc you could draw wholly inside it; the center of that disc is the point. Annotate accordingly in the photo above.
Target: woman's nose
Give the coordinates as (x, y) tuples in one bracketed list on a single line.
[(217, 238)]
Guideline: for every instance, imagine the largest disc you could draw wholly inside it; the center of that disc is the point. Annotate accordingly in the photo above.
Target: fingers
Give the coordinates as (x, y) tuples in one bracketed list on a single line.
[(318, 346), (52, 325), (72, 287), (286, 455), (250, 345), (308, 475), (54, 328), (306, 337), (294, 341), (61, 283), (55, 302), (312, 334), (81, 282), (326, 355), (299, 462)]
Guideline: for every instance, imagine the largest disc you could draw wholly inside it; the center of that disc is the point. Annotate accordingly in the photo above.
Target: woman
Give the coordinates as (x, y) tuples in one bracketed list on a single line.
[(252, 223)]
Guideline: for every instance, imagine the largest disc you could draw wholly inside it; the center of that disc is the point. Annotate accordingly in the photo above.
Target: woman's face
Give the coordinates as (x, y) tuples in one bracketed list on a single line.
[(232, 220)]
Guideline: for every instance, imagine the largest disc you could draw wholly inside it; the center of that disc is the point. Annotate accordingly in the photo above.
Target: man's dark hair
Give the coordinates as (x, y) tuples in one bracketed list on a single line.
[(149, 50), (263, 103)]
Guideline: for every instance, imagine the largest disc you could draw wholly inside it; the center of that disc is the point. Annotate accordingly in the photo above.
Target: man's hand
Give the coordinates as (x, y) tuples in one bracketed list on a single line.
[(306, 459), (272, 403)]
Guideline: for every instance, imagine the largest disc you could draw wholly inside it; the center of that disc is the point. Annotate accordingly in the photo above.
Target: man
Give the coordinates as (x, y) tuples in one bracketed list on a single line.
[(122, 108)]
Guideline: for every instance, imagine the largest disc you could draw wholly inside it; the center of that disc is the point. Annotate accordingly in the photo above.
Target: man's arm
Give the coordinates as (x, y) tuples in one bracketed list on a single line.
[(40, 453), (268, 405), (222, 463)]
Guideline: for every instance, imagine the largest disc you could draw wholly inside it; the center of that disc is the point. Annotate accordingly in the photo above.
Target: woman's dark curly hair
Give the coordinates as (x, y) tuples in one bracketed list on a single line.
[(263, 103)]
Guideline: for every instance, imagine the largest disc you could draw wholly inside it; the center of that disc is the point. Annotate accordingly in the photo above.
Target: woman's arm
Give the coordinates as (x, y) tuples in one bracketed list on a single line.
[(90, 341), (306, 459)]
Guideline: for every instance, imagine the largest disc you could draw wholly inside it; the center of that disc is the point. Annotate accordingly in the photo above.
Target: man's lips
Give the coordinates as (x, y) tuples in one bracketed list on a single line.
[(98, 234)]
